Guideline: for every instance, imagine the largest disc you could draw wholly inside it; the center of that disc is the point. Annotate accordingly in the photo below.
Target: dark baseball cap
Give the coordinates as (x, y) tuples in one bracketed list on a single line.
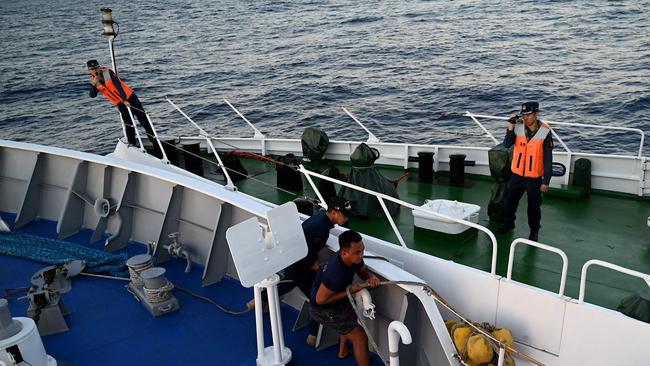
[(340, 204), (529, 107), (92, 64)]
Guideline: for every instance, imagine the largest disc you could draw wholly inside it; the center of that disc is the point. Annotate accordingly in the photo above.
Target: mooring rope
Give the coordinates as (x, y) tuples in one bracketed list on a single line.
[(53, 251)]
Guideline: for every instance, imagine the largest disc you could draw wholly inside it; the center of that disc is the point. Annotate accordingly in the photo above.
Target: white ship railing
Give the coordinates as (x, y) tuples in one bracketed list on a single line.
[(383, 197), (229, 184), (597, 262), (551, 123), (565, 260)]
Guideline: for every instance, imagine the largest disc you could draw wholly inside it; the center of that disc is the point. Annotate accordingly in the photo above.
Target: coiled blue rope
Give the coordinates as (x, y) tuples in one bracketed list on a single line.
[(55, 251)]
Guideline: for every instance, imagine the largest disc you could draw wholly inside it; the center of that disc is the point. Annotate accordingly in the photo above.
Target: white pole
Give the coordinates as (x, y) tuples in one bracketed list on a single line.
[(229, 184), (371, 138), (272, 292), (259, 321), (137, 133), (467, 113), (397, 330), (112, 54), (162, 150), (258, 134)]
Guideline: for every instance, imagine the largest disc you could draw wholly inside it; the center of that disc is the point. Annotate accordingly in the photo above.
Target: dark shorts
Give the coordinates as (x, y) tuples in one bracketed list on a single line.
[(341, 318)]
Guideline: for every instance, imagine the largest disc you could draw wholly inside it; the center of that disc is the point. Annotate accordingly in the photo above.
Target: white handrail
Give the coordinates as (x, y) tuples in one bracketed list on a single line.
[(162, 150), (583, 275), (413, 207), (565, 259), (229, 184), (371, 138), (392, 223), (467, 113), (137, 133), (258, 134), (474, 116), (641, 133)]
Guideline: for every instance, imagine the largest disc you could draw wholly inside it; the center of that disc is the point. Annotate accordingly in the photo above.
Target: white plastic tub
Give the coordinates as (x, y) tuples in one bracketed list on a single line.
[(454, 209)]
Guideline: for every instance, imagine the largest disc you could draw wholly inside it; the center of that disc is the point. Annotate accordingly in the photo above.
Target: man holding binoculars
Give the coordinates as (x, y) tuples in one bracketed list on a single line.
[(532, 165)]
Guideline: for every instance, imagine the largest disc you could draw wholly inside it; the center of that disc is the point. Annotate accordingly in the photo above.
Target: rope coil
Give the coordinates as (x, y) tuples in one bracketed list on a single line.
[(136, 268), (160, 294)]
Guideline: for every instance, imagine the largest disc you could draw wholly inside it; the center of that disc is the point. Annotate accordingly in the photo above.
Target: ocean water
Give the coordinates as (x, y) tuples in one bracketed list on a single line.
[(407, 69)]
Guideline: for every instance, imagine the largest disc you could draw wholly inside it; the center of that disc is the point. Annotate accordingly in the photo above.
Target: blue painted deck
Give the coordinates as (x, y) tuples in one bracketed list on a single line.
[(109, 327)]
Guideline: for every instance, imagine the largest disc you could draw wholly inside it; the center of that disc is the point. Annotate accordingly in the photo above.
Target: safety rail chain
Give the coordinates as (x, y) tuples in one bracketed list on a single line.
[(382, 197)]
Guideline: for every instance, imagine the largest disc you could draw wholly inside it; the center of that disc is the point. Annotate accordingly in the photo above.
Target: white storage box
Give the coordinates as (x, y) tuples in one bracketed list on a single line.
[(454, 209)]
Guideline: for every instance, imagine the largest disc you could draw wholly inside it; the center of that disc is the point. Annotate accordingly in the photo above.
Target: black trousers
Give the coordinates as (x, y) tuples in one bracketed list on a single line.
[(516, 188), (138, 112), (303, 279)]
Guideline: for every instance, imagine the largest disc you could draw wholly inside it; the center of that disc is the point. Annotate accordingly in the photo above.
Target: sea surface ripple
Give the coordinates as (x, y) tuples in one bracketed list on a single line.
[(407, 69)]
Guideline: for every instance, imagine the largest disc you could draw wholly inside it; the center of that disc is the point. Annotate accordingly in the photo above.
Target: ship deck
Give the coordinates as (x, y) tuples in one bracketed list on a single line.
[(109, 327), (604, 225)]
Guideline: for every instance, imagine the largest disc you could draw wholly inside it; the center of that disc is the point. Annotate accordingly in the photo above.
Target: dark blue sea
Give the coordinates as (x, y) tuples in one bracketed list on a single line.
[(407, 69)]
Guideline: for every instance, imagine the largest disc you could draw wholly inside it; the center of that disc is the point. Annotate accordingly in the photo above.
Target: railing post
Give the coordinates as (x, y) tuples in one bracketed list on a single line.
[(371, 138), (258, 134), (162, 150), (583, 275), (322, 203), (565, 259), (137, 133), (392, 223), (229, 184), (470, 115)]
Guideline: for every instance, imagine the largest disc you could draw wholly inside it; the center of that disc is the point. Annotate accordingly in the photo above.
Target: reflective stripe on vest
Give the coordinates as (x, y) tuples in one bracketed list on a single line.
[(528, 156), (109, 89)]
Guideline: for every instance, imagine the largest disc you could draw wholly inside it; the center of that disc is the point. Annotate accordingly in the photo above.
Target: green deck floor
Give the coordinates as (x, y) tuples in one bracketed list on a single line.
[(601, 226)]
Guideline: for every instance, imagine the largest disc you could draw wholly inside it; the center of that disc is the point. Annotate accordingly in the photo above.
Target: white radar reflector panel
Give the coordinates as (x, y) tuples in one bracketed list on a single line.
[(258, 253)]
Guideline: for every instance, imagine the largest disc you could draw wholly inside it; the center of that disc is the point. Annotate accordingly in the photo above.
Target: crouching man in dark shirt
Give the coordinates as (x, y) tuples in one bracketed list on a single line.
[(329, 304)]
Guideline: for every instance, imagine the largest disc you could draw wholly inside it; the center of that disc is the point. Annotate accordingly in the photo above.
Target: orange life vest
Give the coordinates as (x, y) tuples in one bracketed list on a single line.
[(109, 89), (528, 156)]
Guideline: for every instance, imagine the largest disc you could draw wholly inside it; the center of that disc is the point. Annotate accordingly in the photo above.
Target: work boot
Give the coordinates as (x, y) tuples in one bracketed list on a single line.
[(250, 305), (534, 235), (311, 340)]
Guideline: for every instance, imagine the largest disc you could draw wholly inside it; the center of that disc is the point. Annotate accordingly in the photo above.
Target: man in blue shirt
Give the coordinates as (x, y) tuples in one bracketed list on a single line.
[(317, 229), (329, 304)]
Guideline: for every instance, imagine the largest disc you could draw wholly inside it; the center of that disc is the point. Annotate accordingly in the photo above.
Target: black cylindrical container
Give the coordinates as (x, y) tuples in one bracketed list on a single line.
[(193, 163), (457, 169), (425, 166)]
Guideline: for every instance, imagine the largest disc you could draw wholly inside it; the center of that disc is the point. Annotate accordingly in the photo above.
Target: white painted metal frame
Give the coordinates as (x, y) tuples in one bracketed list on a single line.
[(258, 135), (229, 184), (597, 262), (155, 134), (371, 138), (565, 259)]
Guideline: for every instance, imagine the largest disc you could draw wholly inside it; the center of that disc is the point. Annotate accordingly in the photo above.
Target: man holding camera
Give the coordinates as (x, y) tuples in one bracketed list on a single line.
[(532, 165), (104, 80)]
